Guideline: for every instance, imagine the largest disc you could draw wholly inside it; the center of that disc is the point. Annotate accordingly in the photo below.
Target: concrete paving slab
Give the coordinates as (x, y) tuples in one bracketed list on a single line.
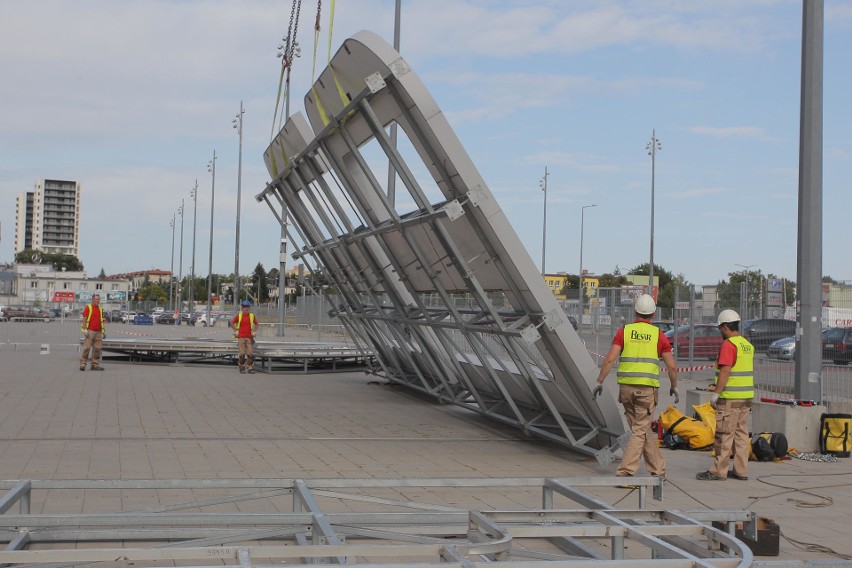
[(161, 422)]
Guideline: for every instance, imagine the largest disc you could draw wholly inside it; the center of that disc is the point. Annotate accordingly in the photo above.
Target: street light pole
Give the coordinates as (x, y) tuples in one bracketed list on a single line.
[(194, 195), (238, 124), (180, 265), (211, 167), (653, 146), (172, 267), (582, 228), (747, 267), (543, 184)]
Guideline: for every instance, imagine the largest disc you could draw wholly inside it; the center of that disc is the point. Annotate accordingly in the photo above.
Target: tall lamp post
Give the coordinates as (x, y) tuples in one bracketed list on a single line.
[(543, 184), (747, 267), (194, 194), (582, 228), (238, 125), (180, 265), (653, 146), (211, 167), (172, 268)]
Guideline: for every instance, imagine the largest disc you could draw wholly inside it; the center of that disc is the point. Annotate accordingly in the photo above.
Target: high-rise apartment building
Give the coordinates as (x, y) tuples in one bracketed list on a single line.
[(48, 219)]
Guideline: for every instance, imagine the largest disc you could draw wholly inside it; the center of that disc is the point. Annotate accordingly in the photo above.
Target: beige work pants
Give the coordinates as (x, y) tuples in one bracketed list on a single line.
[(640, 403), (731, 434), (93, 342), (246, 347)]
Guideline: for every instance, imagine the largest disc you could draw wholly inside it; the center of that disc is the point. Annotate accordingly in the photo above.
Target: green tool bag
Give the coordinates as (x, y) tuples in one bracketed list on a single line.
[(835, 434)]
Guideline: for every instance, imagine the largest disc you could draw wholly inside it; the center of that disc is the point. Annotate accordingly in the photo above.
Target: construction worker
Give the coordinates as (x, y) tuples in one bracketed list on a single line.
[(94, 330), (732, 397), (640, 345), (244, 325)]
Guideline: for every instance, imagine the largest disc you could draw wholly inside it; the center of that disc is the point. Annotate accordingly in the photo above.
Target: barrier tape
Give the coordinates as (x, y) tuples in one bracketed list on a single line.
[(662, 369)]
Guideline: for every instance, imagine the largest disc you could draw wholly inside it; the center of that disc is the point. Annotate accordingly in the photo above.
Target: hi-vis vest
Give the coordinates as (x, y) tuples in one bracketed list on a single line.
[(640, 363), (240, 321), (89, 318), (740, 383)]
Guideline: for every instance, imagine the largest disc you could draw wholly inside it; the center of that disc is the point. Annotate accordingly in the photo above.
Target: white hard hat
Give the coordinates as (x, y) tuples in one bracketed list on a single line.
[(645, 305), (727, 316)]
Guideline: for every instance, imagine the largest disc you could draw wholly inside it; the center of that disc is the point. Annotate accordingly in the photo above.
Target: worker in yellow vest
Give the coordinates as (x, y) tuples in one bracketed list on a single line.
[(244, 325), (640, 346), (94, 330), (732, 397)]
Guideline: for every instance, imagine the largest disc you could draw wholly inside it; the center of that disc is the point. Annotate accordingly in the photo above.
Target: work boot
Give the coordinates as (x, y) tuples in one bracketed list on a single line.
[(242, 371), (251, 371), (97, 368)]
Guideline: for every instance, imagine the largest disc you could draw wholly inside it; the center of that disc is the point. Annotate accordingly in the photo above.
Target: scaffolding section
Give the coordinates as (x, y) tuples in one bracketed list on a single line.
[(358, 522), (399, 269)]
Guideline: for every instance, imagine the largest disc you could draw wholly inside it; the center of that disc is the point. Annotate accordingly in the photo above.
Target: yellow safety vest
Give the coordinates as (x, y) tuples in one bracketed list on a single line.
[(89, 318), (740, 383), (240, 320), (640, 363)]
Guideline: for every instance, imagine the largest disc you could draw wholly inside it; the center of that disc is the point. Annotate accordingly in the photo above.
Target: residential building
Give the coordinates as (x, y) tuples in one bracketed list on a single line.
[(141, 278), (48, 218)]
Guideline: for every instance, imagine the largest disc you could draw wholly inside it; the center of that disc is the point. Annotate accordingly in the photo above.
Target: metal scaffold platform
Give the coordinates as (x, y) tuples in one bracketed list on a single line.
[(270, 356), (361, 522)]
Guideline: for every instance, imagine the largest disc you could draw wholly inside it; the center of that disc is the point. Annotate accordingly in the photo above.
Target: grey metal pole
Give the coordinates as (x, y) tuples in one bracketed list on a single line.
[(543, 184), (210, 272), (282, 253), (652, 147), (238, 124), (393, 128), (744, 306), (808, 385), (192, 270), (172, 268), (582, 231), (180, 266)]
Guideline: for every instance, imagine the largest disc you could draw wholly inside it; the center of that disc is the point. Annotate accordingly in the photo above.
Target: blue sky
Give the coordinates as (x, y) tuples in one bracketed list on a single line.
[(132, 97)]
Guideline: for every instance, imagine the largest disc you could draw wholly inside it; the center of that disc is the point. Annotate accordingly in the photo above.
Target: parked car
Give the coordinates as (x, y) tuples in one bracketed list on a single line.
[(167, 318), (664, 325), (784, 349), (127, 317), (26, 313), (706, 341), (763, 332), (837, 345)]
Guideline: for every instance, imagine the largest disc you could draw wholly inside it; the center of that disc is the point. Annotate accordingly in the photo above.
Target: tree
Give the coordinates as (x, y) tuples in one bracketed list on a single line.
[(259, 283), (728, 292), (665, 288), (102, 274), (59, 261)]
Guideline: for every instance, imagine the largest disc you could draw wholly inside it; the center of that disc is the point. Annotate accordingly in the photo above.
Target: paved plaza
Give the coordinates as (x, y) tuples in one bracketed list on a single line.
[(136, 421)]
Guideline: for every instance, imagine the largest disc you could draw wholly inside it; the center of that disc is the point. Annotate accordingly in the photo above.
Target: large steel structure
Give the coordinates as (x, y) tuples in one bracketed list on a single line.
[(400, 269)]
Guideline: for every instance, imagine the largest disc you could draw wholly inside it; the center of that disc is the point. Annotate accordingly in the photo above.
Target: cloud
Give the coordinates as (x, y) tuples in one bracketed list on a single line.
[(576, 161), (754, 132)]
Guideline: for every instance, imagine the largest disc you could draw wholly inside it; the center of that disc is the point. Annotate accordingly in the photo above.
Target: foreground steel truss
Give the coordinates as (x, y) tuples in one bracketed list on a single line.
[(511, 354), (362, 522)]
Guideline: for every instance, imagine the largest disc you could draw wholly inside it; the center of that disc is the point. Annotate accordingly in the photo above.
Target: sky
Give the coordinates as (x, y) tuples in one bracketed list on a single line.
[(132, 97)]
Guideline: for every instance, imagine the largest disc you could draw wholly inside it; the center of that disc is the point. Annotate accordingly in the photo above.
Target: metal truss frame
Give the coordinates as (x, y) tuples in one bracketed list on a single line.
[(269, 357), (365, 523), (525, 365)]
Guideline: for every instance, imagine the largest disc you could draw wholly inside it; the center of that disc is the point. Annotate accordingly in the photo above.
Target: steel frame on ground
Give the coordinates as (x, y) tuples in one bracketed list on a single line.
[(365, 522)]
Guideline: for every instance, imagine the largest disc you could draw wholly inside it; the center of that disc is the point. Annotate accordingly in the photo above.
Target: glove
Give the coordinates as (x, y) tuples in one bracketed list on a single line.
[(596, 392), (675, 393), (714, 400)]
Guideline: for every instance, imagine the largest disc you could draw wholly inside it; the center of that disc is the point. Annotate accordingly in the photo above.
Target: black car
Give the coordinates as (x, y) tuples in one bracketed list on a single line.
[(837, 345), (165, 318), (763, 332)]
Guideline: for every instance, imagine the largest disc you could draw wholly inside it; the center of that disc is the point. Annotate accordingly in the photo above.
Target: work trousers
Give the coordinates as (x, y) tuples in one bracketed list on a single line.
[(93, 342), (640, 403), (731, 434), (246, 347)]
